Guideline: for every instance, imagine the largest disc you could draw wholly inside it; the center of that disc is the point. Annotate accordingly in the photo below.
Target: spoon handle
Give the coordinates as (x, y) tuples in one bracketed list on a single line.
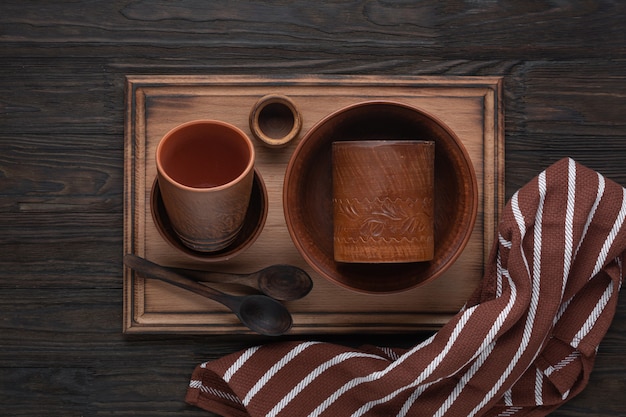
[(156, 271), (217, 277)]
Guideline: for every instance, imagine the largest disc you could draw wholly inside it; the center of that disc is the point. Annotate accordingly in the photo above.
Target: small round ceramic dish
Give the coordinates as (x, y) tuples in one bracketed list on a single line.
[(307, 194), (275, 120), (251, 229)]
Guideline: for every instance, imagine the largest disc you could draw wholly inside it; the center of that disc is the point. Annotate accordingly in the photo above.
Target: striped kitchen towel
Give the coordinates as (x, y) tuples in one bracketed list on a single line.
[(523, 344)]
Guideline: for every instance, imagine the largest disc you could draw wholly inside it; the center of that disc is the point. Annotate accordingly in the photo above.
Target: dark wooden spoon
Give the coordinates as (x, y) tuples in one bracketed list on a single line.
[(281, 282), (259, 313)]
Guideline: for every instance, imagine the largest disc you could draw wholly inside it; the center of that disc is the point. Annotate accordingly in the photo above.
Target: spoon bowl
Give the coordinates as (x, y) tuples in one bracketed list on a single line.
[(264, 315), (284, 282)]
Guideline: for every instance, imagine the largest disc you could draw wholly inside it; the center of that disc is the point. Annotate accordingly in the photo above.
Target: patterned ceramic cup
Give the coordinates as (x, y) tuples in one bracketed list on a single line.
[(205, 174), (383, 201)]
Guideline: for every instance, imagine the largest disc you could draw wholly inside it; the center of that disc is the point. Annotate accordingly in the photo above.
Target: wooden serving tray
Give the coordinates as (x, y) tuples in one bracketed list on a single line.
[(471, 106)]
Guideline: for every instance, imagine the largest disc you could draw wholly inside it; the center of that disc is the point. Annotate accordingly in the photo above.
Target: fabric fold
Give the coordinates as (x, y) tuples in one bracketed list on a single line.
[(523, 344)]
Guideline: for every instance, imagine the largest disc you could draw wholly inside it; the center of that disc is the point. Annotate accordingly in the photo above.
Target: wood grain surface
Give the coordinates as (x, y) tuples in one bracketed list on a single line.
[(469, 106), (62, 350)]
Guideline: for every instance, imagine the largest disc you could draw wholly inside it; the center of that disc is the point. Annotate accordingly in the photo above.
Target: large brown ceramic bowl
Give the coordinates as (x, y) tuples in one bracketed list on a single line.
[(308, 193)]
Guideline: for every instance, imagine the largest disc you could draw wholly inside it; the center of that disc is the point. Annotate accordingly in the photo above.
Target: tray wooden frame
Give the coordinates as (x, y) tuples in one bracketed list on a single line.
[(471, 106)]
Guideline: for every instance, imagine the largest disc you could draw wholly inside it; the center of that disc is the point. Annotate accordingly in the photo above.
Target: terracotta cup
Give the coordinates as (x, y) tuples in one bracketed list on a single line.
[(205, 171), (383, 201)]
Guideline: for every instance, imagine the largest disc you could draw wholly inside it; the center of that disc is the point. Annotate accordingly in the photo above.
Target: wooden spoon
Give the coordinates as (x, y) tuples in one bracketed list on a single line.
[(259, 313), (281, 282)]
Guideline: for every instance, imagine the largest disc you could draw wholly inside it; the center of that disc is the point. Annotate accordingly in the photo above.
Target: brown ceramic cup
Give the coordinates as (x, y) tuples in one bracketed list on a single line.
[(205, 170), (383, 201)]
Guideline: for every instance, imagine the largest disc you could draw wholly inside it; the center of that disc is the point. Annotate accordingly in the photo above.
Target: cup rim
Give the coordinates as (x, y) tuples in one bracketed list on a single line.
[(249, 167)]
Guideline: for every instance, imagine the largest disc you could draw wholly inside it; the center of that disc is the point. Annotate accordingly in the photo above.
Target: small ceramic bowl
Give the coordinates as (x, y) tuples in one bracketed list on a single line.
[(275, 120), (307, 194), (251, 229)]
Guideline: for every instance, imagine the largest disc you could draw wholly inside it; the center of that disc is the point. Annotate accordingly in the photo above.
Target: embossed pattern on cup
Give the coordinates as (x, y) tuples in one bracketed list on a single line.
[(383, 201)]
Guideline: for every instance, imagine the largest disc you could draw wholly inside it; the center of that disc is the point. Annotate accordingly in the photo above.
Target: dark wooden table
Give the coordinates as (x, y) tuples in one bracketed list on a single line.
[(62, 72)]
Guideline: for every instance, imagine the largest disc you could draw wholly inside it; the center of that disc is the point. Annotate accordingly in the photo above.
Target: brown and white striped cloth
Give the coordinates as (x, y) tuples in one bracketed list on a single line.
[(524, 343)]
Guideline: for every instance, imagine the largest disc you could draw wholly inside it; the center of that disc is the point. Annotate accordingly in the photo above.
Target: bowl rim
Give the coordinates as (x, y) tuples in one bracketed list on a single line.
[(289, 212)]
